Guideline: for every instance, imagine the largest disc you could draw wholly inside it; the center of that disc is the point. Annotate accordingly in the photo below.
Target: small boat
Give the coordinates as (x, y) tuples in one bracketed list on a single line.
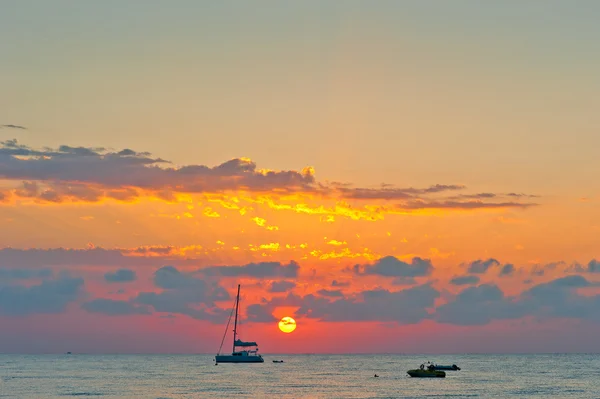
[(277, 361), (441, 367), (249, 353), (428, 372)]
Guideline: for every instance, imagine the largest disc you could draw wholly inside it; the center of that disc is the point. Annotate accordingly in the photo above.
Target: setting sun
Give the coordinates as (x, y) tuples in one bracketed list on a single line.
[(287, 324)]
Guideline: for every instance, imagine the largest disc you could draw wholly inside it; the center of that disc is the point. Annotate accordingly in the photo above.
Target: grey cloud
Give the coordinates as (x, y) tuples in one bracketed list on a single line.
[(336, 283), (557, 298), (185, 294), (391, 266), (257, 270), (331, 293), (259, 314), (24, 274), (507, 270), (114, 307), (92, 173), (465, 280), (593, 266), (9, 126), (478, 305), (51, 296), (481, 266), (128, 168), (41, 258), (64, 257), (281, 286), (120, 276), (406, 306)]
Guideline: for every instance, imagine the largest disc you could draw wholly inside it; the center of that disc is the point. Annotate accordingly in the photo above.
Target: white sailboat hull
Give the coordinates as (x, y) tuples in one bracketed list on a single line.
[(238, 359)]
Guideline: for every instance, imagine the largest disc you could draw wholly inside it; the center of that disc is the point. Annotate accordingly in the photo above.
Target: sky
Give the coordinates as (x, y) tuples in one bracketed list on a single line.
[(398, 177)]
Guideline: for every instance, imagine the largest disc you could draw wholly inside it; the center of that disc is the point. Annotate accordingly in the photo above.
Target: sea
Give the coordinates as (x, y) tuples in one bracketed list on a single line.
[(299, 376)]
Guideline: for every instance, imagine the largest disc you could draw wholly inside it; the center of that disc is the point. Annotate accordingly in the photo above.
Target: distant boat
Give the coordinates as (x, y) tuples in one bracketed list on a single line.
[(441, 367), (249, 353), (68, 353), (428, 372), (277, 361)]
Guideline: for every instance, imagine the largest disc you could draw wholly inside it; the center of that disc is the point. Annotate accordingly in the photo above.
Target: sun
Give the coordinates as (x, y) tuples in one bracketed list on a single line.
[(287, 324)]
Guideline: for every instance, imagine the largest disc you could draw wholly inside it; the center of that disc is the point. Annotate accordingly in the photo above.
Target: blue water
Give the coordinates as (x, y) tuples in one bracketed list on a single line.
[(300, 376)]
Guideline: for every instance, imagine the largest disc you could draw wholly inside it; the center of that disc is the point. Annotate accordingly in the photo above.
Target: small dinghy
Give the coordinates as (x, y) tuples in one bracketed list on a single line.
[(277, 361), (428, 372)]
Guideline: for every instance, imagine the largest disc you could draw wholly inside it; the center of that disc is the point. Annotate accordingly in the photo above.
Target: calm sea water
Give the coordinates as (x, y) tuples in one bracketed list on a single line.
[(300, 376)]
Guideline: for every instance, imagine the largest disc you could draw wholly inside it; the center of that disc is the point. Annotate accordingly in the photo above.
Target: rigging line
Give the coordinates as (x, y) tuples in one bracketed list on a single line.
[(226, 328)]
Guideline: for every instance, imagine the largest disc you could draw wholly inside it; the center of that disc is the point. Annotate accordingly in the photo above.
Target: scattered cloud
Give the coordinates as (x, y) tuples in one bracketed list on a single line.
[(507, 270), (50, 296), (120, 276), (114, 307), (281, 286), (90, 174), (336, 283), (464, 280), (391, 266), (257, 270), (331, 293), (481, 266), (183, 293), (9, 126), (24, 274)]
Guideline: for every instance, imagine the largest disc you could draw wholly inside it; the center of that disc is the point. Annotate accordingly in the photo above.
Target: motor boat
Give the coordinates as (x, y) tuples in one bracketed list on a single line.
[(428, 372), (442, 367)]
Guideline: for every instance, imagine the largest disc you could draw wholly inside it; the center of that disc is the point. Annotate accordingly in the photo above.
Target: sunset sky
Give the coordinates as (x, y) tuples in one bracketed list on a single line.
[(397, 176)]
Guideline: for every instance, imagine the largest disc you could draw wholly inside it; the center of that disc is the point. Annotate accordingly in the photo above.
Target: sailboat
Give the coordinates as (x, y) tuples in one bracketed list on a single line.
[(249, 350)]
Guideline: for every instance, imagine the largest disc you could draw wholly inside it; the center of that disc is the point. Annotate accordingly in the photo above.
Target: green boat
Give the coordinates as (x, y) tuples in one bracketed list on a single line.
[(430, 372)]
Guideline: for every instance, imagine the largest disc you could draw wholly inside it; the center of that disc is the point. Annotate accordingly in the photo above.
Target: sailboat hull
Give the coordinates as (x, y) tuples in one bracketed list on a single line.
[(238, 359)]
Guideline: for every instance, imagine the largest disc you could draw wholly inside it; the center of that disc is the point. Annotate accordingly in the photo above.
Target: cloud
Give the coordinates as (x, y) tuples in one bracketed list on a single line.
[(90, 174), (113, 307), (24, 274), (127, 168), (92, 256), (336, 283), (481, 266), (407, 306), (593, 266), (33, 257), (186, 294), (507, 270), (465, 280), (396, 193), (391, 266), (259, 314), (257, 270), (331, 293), (555, 299), (281, 286), (9, 126), (120, 276), (50, 296), (478, 305)]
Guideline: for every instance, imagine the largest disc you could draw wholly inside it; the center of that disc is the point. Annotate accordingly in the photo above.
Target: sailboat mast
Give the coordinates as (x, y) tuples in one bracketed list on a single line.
[(237, 304)]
